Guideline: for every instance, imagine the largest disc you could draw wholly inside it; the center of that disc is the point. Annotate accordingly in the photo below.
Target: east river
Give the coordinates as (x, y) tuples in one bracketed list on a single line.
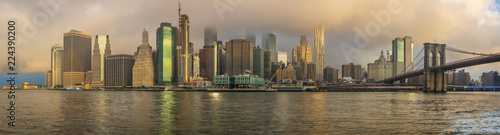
[(146, 112)]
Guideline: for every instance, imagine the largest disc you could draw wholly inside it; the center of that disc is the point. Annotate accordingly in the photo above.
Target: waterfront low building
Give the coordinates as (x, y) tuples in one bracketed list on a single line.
[(241, 81), (380, 69)]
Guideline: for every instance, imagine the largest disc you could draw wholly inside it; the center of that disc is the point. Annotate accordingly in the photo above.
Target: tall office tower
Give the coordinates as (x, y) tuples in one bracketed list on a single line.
[(208, 61), (265, 41), (118, 70), (298, 70), (267, 65), (183, 50), (190, 65), (77, 57), (258, 62), (282, 57), (143, 70), (101, 50), (221, 58), (56, 65), (303, 56), (351, 70), (210, 35), (166, 47), (402, 53), (196, 65), (272, 47), (319, 50), (380, 69), (48, 78), (239, 56), (311, 66), (294, 56)]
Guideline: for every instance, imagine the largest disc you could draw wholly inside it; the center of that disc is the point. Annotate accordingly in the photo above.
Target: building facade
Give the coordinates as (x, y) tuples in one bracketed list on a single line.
[(267, 65), (56, 65), (319, 50), (402, 55), (210, 35), (119, 69), (77, 57), (351, 70), (380, 69), (196, 65), (143, 70), (208, 62), (282, 57), (101, 50), (491, 78), (239, 56), (330, 75), (183, 51), (272, 47), (286, 75), (166, 49), (258, 62)]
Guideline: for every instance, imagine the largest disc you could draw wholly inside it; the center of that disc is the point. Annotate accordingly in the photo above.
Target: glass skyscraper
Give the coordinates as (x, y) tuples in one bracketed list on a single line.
[(402, 53), (166, 45)]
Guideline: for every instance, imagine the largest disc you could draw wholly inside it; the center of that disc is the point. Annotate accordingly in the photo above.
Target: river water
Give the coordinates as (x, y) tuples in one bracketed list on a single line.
[(145, 112)]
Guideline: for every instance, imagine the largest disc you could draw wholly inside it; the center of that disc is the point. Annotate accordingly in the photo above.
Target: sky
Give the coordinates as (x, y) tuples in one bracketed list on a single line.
[(355, 30)]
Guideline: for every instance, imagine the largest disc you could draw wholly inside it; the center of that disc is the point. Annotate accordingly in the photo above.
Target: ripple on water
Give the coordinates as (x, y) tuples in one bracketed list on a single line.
[(485, 123)]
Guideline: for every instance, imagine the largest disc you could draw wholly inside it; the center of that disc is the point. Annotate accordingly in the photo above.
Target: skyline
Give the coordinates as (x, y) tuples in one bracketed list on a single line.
[(478, 24)]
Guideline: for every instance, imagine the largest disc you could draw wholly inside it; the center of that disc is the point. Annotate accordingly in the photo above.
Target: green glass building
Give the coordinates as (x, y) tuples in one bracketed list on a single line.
[(166, 45)]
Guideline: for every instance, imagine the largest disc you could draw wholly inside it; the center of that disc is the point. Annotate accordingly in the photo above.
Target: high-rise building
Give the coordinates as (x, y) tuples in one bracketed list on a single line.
[(351, 70), (101, 50), (190, 65), (330, 75), (461, 78), (166, 46), (299, 74), (239, 56), (294, 56), (311, 66), (272, 47), (210, 35), (258, 62), (143, 70), (491, 78), (319, 50), (77, 57), (402, 53), (380, 69), (303, 56), (119, 69), (208, 61), (282, 57), (196, 65), (267, 65), (221, 58), (48, 78), (56, 65), (183, 50)]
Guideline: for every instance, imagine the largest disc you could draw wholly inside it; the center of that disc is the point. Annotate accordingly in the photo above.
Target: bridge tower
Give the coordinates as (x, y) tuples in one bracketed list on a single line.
[(435, 78)]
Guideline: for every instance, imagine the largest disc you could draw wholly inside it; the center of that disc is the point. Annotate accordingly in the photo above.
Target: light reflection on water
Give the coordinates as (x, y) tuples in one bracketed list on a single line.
[(137, 112)]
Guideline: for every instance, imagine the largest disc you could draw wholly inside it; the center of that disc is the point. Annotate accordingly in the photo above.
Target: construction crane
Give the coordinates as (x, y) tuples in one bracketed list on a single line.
[(314, 79), (273, 76)]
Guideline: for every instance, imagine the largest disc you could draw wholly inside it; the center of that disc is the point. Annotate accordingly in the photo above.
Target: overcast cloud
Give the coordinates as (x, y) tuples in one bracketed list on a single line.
[(466, 24)]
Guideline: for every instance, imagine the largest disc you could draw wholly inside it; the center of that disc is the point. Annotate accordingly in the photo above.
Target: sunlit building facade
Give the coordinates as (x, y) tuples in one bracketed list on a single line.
[(101, 50), (77, 57), (166, 46), (143, 70), (56, 65), (319, 50), (402, 53)]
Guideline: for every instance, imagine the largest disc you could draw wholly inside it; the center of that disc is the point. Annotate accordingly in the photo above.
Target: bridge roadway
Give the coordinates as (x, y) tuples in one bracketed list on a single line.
[(452, 65)]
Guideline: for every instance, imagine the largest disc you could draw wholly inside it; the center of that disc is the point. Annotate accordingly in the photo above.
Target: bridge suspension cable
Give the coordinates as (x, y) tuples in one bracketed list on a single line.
[(420, 52), (468, 52)]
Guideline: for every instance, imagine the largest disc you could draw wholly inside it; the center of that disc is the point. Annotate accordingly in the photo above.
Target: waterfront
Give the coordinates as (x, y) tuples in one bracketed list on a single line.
[(148, 112)]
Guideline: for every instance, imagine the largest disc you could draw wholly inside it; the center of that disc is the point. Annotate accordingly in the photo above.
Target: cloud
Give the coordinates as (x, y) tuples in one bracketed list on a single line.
[(464, 24)]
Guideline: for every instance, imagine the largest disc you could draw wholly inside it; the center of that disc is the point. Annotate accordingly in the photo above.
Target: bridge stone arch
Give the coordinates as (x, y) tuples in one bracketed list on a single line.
[(435, 80)]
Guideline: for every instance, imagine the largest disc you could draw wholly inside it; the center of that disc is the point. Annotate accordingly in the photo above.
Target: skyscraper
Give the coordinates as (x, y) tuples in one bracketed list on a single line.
[(282, 57), (119, 70), (351, 70), (303, 56), (221, 58), (294, 56), (267, 65), (272, 47), (319, 50), (210, 35), (77, 57), (143, 70), (166, 46), (48, 78), (56, 65), (402, 53), (258, 62), (101, 50), (196, 65), (183, 50), (330, 74), (239, 56), (208, 61)]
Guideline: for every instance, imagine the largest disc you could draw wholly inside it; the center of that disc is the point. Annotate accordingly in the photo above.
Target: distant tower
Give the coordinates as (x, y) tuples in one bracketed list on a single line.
[(402, 53), (101, 50), (319, 51), (183, 48), (143, 70), (56, 64), (77, 57)]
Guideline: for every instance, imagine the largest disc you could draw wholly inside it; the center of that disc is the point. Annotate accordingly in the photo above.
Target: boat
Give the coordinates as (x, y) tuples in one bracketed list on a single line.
[(73, 88), (241, 90), (100, 89), (168, 89), (289, 87)]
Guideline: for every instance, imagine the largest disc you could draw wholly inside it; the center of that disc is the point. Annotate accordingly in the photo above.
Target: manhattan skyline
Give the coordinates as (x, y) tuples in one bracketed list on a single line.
[(469, 25)]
